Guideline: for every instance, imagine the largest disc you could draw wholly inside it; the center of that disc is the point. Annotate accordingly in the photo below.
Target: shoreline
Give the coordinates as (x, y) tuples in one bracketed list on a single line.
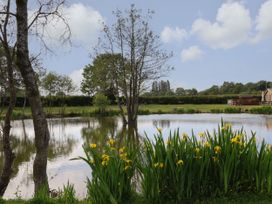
[(91, 111)]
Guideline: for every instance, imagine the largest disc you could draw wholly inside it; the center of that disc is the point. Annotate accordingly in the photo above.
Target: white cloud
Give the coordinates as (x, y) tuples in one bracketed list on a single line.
[(264, 22), (231, 27), (191, 53), (77, 77), (173, 34), (85, 24)]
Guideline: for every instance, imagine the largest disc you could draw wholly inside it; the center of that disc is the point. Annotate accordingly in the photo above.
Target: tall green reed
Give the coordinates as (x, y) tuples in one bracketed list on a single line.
[(208, 164), (112, 170)]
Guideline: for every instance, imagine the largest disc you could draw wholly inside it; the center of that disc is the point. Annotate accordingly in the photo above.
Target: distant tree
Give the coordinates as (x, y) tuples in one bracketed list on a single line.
[(155, 88), (50, 83), (214, 90), (161, 88), (55, 84), (66, 85), (191, 92), (180, 91), (238, 88)]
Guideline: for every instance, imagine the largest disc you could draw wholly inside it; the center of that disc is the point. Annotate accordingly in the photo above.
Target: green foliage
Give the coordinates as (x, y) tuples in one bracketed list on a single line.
[(233, 110), (112, 172), (161, 88), (67, 195), (217, 111), (55, 84), (87, 100), (262, 110), (208, 165), (188, 111), (101, 77), (101, 102), (41, 197), (237, 88), (200, 99)]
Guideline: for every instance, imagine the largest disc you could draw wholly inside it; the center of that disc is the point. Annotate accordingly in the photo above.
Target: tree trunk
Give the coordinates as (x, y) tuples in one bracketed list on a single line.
[(32, 92), (8, 154)]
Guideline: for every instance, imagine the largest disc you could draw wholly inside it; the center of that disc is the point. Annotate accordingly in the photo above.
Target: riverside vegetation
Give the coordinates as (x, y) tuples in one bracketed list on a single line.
[(55, 112), (208, 167)]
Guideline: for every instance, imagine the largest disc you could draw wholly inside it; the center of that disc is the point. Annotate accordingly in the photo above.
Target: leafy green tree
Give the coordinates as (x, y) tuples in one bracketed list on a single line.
[(101, 76), (55, 84), (180, 91), (66, 85), (50, 83)]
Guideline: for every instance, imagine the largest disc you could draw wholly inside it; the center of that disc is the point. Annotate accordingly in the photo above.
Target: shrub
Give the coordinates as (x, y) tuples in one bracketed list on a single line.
[(192, 111), (143, 112), (101, 102), (232, 110), (262, 110), (178, 110), (217, 111)]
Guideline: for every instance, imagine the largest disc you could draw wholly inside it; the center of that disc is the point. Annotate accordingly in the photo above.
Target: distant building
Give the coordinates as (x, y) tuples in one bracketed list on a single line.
[(267, 96), (244, 100)]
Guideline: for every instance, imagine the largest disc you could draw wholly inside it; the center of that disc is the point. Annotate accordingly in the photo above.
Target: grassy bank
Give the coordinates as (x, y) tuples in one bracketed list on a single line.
[(246, 199), (144, 109)]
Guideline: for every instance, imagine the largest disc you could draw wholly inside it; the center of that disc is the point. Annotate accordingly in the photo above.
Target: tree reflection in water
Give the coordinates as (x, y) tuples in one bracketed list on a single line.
[(99, 130), (162, 123), (24, 148)]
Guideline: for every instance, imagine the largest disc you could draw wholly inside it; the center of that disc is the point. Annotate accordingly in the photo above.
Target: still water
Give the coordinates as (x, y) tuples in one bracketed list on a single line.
[(69, 134)]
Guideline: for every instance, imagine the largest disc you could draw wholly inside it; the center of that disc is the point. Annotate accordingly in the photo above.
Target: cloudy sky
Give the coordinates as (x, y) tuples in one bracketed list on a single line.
[(212, 41)]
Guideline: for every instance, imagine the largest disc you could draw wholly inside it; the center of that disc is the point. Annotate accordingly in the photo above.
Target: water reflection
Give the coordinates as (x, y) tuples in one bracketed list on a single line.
[(69, 134), (99, 131), (162, 123)]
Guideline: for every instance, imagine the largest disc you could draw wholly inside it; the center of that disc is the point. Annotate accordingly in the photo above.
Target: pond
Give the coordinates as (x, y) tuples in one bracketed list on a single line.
[(69, 134)]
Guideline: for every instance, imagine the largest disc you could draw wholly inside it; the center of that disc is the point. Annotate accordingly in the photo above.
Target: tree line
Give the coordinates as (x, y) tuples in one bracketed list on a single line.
[(163, 88)]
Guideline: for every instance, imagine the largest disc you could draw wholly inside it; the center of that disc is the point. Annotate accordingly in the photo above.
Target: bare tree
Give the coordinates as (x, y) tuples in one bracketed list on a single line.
[(47, 10), (6, 38), (142, 58)]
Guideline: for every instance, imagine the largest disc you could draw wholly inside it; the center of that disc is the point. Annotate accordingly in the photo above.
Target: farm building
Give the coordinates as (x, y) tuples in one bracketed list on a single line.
[(244, 100), (267, 96)]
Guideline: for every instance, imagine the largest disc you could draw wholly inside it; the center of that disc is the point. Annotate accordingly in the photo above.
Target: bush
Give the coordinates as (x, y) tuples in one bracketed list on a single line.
[(143, 112), (101, 102), (262, 110), (233, 110), (178, 110), (217, 111)]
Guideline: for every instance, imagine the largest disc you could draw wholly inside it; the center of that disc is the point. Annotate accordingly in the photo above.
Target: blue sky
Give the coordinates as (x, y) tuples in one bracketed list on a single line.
[(212, 41)]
